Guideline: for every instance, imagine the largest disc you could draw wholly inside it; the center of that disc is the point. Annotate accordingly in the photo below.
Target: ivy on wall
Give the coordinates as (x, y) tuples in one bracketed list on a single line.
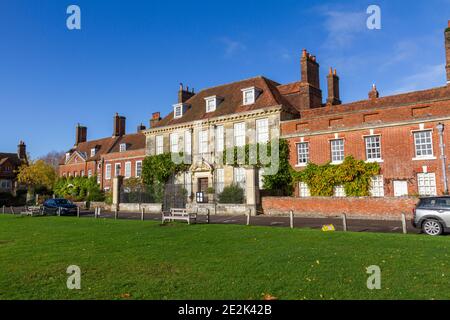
[(279, 181), (160, 168), (354, 175)]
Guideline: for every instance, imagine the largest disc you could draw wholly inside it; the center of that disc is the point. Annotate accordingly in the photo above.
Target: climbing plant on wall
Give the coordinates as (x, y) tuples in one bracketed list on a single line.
[(354, 175), (159, 168), (279, 176)]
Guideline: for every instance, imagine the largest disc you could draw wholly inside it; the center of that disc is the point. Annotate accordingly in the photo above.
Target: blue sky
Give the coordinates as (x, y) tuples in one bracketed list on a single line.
[(130, 56)]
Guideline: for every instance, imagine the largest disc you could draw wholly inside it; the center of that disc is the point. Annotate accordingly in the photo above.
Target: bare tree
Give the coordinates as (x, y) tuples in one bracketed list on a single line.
[(53, 158)]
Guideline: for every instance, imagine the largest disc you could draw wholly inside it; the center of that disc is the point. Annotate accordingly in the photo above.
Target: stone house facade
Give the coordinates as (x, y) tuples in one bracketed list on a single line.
[(204, 125)]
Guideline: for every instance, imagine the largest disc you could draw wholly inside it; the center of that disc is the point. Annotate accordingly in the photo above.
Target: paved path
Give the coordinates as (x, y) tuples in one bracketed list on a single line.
[(354, 225)]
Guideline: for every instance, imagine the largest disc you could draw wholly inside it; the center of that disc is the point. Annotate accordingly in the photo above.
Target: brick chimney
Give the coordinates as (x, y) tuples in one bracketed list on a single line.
[(310, 69), (156, 117), (80, 134), (22, 151), (184, 94), (333, 88), (141, 127), (447, 52), (119, 126), (374, 94)]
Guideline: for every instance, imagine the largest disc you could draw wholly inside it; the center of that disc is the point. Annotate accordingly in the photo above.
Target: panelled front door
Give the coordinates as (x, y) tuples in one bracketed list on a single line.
[(203, 185)]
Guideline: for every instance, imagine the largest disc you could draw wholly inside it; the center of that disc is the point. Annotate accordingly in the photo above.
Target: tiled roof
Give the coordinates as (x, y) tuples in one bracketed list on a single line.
[(415, 97), (133, 141), (108, 145), (232, 101), (12, 157)]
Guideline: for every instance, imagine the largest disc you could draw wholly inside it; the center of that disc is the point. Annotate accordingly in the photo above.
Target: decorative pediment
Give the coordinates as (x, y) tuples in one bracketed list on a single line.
[(202, 166), (76, 157)]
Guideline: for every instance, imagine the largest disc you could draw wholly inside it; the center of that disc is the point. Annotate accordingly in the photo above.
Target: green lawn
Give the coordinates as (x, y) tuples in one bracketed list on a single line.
[(143, 260)]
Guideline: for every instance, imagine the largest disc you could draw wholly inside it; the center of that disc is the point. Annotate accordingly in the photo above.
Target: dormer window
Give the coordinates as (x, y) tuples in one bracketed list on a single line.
[(93, 152), (123, 147), (212, 103), (249, 95), (67, 156), (179, 109)]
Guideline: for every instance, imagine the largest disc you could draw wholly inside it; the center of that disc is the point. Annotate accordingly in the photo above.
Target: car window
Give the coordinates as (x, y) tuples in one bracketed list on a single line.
[(435, 203), (443, 203), (49, 202), (62, 201)]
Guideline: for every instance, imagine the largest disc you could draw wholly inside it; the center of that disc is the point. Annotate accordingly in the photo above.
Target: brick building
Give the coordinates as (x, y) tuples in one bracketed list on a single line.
[(9, 164), (119, 155), (400, 132)]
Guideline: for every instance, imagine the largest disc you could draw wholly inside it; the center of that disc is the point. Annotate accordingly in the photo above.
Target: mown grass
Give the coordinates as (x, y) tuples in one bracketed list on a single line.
[(143, 260)]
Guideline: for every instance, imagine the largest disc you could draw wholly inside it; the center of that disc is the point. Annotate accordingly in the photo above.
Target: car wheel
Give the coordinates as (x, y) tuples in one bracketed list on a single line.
[(432, 227)]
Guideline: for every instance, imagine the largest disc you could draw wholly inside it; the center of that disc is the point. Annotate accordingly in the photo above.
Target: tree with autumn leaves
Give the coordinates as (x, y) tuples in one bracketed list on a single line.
[(37, 174)]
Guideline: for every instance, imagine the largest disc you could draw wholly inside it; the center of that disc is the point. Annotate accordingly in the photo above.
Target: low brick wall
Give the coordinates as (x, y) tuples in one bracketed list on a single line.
[(361, 208)]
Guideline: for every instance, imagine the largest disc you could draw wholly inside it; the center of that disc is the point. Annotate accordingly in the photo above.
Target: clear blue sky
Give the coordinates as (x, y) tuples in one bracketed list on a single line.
[(130, 56)]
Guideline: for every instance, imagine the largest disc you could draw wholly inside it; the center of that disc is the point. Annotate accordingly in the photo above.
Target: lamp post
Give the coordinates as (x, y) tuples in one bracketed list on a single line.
[(440, 127)]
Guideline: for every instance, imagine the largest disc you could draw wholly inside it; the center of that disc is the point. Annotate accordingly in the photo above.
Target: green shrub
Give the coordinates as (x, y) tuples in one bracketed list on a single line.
[(79, 189), (232, 194)]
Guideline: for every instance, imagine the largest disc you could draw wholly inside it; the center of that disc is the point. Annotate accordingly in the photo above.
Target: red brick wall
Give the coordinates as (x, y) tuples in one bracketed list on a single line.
[(395, 125), (365, 208), (122, 158)]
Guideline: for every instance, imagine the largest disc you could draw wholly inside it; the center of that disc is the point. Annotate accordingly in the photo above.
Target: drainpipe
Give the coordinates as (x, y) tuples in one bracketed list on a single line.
[(440, 127)]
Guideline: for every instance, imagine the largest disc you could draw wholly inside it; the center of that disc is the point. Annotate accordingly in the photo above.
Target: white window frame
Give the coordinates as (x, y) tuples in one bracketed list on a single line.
[(262, 131), (428, 148), (249, 95), (211, 103), (127, 169), (220, 180), (203, 141), (138, 169), (93, 152), (123, 147), (108, 171), (377, 186), (178, 111), (239, 177), (302, 154), (117, 169), (426, 184), (239, 134), (174, 143), (220, 141), (337, 150), (89, 173), (188, 142), (159, 145), (303, 190), (339, 191), (373, 148)]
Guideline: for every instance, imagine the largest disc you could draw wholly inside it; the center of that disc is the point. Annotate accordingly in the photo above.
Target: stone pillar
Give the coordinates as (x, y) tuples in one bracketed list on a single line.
[(117, 184), (251, 189)]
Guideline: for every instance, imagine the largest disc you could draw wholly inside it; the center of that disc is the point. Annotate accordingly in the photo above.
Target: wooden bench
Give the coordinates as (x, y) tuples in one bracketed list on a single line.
[(33, 211), (179, 215)]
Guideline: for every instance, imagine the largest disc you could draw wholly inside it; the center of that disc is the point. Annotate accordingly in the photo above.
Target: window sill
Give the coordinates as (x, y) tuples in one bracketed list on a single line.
[(375, 161), (335, 163), (423, 158), (301, 165)]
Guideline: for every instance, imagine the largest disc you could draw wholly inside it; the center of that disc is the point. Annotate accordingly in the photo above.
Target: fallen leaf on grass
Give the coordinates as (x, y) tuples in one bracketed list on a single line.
[(269, 297)]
